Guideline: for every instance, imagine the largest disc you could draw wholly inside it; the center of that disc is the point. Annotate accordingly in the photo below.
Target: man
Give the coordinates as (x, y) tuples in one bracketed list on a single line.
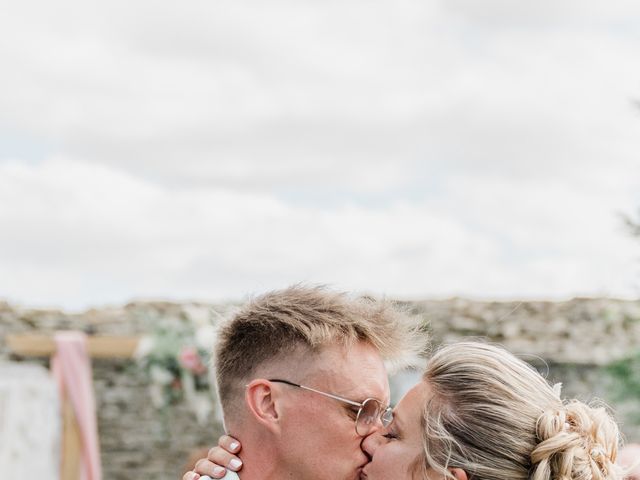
[(301, 380)]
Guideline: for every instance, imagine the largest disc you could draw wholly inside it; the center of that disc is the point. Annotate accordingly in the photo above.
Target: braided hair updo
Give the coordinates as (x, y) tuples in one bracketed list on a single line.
[(495, 417), (576, 442)]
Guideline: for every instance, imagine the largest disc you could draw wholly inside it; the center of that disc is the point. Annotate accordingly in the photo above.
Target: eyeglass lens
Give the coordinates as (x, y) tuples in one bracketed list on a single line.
[(369, 414)]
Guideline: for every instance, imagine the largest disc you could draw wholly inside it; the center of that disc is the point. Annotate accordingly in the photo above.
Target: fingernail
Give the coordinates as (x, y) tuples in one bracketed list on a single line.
[(218, 470), (195, 476), (234, 445), (235, 464)]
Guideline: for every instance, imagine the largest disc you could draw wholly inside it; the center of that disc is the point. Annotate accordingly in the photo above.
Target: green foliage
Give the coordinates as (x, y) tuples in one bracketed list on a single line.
[(175, 363), (625, 374)]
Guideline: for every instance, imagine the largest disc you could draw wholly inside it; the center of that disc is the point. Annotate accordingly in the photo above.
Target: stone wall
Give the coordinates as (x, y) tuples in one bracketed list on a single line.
[(568, 341), (581, 331)]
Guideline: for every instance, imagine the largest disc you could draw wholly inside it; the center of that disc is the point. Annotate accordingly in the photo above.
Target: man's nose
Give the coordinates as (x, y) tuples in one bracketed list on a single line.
[(371, 442), (373, 425)]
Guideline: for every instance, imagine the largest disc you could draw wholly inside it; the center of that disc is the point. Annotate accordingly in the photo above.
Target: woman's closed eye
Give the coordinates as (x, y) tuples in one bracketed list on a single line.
[(391, 435)]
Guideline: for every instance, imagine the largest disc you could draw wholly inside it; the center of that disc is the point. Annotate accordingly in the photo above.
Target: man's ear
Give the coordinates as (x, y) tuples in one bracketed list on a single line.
[(262, 403), (459, 473)]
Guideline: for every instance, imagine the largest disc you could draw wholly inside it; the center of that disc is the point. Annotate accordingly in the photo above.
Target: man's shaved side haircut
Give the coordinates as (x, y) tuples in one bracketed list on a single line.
[(277, 324)]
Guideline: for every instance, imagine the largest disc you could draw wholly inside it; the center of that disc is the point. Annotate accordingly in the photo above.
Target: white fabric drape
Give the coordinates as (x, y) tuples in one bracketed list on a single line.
[(29, 422)]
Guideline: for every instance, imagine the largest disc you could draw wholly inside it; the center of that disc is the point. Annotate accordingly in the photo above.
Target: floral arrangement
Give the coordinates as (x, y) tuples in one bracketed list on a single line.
[(175, 356)]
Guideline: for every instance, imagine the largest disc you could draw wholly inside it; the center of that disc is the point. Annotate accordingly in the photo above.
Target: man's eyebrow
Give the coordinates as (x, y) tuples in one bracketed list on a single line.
[(354, 393), (364, 396), (358, 397)]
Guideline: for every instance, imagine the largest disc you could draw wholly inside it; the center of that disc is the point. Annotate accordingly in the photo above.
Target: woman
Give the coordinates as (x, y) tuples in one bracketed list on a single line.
[(480, 413)]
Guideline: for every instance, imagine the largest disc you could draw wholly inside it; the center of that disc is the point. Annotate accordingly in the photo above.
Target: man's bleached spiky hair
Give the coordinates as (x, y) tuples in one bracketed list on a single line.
[(274, 325)]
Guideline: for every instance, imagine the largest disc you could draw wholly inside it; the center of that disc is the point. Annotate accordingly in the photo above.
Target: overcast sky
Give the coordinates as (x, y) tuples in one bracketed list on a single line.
[(418, 149)]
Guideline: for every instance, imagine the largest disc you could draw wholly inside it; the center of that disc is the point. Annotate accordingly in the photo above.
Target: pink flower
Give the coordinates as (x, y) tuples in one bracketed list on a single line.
[(190, 360)]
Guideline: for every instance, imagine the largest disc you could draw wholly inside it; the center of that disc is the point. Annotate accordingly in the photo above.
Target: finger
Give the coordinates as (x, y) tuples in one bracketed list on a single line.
[(190, 476), (219, 456), (229, 443), (205, 467)]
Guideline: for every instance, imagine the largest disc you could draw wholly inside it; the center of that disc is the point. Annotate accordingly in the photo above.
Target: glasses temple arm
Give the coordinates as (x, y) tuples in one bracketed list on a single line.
[(330, 395)]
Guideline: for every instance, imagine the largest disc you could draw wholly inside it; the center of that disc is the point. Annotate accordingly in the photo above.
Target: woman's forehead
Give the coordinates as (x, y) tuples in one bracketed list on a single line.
[(410, 406)]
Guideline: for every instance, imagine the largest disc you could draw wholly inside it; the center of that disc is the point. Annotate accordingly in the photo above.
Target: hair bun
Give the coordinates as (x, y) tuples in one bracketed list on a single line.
[(576, 441)]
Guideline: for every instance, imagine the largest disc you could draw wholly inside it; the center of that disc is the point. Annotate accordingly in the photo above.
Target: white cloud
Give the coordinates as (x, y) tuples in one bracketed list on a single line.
[(414, 148), (261, 95), (77, 234), (504, 13)]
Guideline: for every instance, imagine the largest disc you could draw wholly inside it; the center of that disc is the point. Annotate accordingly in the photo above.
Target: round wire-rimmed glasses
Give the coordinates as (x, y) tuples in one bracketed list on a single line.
[(369, 411)]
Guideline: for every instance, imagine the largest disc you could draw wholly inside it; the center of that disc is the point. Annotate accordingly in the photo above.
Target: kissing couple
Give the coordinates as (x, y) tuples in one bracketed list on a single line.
[(302, 380)]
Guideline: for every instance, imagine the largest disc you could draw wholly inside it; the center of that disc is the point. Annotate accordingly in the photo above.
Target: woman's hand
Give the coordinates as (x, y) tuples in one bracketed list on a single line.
[(218, 460)]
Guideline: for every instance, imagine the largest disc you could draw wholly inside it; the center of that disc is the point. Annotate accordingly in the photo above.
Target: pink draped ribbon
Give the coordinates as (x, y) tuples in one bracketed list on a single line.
[(71, 368)]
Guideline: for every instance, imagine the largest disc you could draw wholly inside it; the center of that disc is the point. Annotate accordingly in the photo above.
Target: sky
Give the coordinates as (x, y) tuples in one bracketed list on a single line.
[(211, 150)]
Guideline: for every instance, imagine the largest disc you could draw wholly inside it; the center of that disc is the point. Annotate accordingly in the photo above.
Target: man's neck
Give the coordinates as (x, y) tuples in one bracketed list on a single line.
[(260, 460), (263, 471)]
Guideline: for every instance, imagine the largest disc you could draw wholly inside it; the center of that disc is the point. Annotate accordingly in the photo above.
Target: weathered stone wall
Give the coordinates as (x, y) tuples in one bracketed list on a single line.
[(568, 341), (583, 331)]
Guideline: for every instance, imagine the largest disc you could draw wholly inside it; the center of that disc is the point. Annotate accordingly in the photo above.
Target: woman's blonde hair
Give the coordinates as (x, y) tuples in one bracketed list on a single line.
[(495, 417)]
